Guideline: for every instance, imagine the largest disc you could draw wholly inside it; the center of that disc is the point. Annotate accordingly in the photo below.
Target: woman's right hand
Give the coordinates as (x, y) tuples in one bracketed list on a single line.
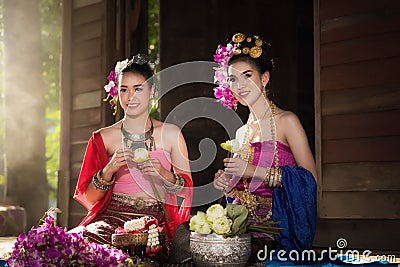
[(117, 160), (221, 180)]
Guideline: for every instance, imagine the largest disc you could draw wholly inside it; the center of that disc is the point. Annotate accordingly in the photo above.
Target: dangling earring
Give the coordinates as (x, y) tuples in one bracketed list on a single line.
[(235, 106), (264, 92)]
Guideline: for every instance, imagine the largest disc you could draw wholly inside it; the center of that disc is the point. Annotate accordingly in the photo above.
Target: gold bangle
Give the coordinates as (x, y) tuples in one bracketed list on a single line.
[(177, 186), (273, 177), (102, 180), (97, 185), (177, 179)]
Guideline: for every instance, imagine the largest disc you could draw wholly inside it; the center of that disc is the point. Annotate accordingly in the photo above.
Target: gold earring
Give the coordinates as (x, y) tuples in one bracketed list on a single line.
[(264, 92)]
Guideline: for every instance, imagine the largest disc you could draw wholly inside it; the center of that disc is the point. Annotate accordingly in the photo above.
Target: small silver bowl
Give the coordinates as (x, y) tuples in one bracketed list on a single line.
[(215, 250)]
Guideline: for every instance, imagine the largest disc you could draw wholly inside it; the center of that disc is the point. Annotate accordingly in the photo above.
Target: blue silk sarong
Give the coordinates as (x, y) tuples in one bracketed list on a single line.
[(294, 205)]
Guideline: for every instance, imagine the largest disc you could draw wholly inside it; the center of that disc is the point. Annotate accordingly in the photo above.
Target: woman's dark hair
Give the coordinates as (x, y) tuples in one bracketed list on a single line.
[(263, 62), (140, 64)]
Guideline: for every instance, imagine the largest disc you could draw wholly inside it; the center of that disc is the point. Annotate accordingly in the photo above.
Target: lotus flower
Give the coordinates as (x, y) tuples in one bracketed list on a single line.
[(140, 155), (232, 146)]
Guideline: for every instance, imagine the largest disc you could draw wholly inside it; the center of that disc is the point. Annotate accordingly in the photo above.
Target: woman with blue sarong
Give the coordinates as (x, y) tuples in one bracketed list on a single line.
[(274, 172)]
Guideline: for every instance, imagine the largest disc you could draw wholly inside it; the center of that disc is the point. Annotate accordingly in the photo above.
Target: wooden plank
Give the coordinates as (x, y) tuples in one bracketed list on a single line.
[(83, 133), (82, 3), (76, 218), (360, 234), (73, 183), (87, 14), (77, 208), (85, 84), (86, 117), (361, 205), (338, 8), (353, 50), (77, 152), (87, 69), (360, 100), (378, 72), (87, 50), (361, 176), (317, 98), (63, 199), (87, 100), (87, 31), (75, 170), (65, 107), (369, 124), (361, 149), (355, 27)]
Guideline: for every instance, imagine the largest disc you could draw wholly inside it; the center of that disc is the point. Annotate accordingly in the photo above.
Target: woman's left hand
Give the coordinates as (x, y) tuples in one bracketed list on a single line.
[(154, 168), (238, 167)]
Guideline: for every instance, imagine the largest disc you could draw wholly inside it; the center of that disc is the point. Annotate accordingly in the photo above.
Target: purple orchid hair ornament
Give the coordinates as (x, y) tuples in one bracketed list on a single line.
[(112, 86), (223, 92)]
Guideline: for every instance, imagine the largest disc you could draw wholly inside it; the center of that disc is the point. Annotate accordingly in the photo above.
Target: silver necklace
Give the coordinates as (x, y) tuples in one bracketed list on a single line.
[(135, 141)]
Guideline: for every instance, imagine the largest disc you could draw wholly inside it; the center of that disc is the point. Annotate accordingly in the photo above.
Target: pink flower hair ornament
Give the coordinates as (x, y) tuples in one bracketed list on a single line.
[(223, 92), (112, 86)]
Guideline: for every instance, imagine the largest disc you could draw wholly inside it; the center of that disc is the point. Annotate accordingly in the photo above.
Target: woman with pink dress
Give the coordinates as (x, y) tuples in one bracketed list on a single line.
[(117, 183)]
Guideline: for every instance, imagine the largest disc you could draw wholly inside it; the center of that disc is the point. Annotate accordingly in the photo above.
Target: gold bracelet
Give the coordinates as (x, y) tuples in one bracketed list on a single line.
[(102, 180), (97, 185), (273, 177), (177, 186)]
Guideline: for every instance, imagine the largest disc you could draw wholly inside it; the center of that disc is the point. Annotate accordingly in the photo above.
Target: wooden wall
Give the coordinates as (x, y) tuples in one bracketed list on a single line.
[(357, 49), (81, 99)]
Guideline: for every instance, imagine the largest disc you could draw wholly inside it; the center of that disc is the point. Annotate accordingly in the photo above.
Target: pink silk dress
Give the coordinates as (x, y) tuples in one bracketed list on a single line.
[(264, 157)]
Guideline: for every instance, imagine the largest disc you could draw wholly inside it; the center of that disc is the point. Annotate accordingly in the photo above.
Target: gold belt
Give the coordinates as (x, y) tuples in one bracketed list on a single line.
[(248, 199)]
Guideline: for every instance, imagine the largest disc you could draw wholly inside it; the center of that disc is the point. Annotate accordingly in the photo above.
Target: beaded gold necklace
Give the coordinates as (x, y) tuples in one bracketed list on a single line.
[(250, 200)]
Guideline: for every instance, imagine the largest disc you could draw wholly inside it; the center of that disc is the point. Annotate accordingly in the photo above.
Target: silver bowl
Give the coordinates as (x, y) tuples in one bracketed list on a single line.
[(215, 250)]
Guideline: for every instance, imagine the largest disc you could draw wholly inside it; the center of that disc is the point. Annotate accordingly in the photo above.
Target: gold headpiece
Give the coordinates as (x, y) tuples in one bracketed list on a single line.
[(254, 51)]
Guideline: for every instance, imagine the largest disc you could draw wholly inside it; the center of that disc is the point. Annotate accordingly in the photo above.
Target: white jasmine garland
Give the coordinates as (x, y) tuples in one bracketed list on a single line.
[(134, 225)]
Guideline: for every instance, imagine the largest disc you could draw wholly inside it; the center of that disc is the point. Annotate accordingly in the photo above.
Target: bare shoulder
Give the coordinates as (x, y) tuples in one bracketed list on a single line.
[(285, 117), (110, 132), (167, 130)]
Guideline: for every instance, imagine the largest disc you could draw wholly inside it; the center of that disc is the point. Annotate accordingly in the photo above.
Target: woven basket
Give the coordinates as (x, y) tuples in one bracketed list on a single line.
[(129, 239)]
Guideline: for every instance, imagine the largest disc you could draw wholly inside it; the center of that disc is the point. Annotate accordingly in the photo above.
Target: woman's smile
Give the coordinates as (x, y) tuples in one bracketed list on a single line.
[(243, 94), (133, 105)]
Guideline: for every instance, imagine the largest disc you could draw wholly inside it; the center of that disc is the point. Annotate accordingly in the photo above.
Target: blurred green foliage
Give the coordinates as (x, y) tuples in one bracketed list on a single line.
[(51, 20)]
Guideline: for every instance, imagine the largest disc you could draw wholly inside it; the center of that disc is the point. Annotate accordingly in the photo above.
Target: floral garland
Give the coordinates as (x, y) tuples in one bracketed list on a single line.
[(142, 225), (223, 92)]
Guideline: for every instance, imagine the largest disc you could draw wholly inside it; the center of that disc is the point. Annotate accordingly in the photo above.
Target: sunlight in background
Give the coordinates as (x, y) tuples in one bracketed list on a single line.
[(51, 30)]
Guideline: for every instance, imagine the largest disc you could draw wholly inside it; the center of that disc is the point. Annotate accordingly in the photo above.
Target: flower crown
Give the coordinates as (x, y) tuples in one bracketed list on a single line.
[(222, 56), (112, 86)]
